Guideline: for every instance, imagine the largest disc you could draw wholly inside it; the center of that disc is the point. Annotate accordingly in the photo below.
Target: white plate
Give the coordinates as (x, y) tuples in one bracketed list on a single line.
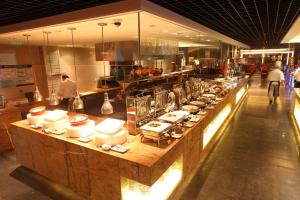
[(162, 127), (171, 117), (209, 95), (197, 103), (180, 112), (190, 108)]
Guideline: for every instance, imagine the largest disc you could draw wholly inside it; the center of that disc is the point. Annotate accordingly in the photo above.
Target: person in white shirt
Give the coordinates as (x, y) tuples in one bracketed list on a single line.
[(297, 78), (275, 77), (67, 91)]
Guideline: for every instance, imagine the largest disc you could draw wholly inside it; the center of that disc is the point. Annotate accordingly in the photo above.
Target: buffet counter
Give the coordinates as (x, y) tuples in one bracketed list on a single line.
[(145, 171), (295, 116)]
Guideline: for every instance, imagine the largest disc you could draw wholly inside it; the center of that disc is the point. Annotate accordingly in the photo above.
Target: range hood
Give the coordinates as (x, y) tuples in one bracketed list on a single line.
[(122, 51)]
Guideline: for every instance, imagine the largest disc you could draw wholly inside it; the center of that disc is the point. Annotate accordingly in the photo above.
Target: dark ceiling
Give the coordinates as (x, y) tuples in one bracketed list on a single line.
[(258, 23)]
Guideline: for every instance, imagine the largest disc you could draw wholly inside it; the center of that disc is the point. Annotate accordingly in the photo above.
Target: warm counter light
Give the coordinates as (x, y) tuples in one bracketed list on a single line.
[(215, 124), (265, 51), (160, 190), (239, 94), (297, 112)]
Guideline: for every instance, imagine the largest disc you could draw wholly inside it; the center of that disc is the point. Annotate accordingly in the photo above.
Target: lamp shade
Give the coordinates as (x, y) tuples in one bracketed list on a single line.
[(37, 96), (53, 99), (78, 103)]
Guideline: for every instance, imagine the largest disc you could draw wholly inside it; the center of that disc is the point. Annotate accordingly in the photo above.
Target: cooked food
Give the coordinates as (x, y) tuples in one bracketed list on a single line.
[(170, 115), (154, 124)]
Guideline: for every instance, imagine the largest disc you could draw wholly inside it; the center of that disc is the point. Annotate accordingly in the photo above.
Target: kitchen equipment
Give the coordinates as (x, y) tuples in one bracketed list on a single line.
[(138, 112), (160, 101)]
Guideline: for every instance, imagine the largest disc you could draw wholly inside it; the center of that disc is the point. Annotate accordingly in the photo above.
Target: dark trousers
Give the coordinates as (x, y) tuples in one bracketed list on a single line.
[(66, 104)]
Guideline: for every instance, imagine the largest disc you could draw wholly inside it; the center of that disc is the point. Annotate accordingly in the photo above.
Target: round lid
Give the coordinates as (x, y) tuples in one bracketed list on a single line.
[(78, 120), (37, 110)]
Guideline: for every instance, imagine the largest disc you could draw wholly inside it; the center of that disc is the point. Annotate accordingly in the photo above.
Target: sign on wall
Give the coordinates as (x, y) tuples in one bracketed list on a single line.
[(16, 75)]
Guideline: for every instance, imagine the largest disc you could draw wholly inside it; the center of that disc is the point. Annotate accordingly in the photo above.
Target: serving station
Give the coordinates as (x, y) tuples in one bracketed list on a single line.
[(295, 116), (139, 168)]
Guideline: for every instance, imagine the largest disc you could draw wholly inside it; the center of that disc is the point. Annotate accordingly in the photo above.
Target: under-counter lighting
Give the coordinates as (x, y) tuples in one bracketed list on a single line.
[(297, 112), (160, 190), (215, 124), (239, 94)]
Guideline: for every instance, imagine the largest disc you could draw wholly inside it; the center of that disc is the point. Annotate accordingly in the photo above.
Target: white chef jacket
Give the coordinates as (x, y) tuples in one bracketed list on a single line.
[(67, 89), (276, 75), (297, 75)]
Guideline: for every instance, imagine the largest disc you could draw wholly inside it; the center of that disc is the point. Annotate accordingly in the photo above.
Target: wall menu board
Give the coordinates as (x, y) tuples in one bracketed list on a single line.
[(16, 75)]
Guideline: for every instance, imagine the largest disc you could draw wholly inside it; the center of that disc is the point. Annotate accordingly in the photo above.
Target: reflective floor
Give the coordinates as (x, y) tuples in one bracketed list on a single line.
[(255, 159)]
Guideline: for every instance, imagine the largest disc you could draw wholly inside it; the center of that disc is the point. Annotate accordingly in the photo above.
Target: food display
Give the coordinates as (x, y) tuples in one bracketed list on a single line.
[(36, 115), (37, 110), (80, 126), (190, 108), (78, 120), (146, 71), (200, 104), (56, 120), (110, 131)]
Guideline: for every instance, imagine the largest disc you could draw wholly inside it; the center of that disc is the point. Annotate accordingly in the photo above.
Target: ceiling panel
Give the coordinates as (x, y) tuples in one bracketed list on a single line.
[(258, 23)]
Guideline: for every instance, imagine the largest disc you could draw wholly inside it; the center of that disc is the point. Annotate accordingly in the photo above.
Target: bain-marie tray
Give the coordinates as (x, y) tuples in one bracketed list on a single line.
[(154, 126), (171, 117)]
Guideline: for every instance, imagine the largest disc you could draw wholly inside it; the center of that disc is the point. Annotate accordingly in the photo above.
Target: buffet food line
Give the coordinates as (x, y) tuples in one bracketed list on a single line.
[(167, 136)]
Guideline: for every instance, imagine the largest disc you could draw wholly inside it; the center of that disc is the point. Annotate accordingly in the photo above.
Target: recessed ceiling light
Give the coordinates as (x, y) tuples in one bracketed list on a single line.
[(208, 40), (165, 31)]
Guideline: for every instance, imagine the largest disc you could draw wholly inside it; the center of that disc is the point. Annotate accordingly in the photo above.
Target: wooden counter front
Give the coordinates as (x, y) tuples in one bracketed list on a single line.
[(96, 174), (7, 116)]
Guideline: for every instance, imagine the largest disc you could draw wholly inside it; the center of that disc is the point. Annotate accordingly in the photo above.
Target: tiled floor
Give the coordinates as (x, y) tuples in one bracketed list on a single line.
[(255, 160)]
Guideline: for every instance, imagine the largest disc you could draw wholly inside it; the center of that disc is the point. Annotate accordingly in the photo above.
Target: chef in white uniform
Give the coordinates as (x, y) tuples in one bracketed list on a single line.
[(67, 91), (275, 78)]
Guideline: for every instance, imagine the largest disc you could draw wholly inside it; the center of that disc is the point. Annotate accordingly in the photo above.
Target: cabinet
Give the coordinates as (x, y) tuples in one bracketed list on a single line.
[(7, 116)]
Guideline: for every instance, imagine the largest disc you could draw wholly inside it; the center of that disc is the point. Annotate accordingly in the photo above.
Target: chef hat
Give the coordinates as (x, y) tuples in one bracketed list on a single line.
[(278, 64)]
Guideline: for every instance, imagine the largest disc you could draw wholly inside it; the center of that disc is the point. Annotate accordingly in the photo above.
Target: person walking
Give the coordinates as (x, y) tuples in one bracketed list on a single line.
[(275, 78)]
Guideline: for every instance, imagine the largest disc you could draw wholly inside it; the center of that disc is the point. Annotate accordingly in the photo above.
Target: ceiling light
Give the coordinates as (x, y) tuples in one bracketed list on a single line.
[(208, 40), (199, 35), (165, 31)]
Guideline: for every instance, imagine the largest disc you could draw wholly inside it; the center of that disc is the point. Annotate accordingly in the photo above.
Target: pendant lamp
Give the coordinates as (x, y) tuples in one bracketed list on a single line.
[(53, 98), (37, 96), (106, 108), (77, 103)]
